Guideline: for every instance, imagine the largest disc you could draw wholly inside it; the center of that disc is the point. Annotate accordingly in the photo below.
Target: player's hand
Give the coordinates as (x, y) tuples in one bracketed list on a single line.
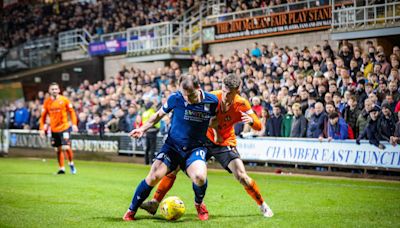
[(321, 138), (75, 128), (42, 133), (329, 139), (393, 140), (246, 118), (381, 146), (136, 133)]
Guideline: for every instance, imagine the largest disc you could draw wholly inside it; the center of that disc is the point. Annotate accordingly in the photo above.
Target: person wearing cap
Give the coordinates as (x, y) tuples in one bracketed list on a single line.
[(337, 127), (385, 66), (371, 131), (386, 122), (151, 134)]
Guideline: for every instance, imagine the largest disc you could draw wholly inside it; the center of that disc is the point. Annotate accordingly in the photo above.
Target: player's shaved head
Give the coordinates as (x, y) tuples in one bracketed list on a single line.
[(232, 81), (189, 82), (54, 84)]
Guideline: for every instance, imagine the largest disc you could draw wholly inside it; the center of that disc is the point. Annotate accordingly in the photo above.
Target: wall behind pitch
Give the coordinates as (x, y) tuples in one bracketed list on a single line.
[(300, 40), (113, 64)]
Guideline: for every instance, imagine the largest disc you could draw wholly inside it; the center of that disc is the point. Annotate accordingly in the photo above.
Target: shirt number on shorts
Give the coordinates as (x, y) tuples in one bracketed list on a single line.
[(201, 153)]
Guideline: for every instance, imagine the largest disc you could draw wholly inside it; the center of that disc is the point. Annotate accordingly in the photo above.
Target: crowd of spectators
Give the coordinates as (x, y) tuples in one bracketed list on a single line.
[(316, 92), (25, 21)]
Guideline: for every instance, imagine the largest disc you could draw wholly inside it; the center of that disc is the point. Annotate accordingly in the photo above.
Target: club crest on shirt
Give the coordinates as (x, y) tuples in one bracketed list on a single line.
[(207, 107)]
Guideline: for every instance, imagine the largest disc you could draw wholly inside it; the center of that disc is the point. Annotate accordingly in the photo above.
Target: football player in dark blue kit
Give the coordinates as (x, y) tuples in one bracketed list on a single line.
[(193, 109)]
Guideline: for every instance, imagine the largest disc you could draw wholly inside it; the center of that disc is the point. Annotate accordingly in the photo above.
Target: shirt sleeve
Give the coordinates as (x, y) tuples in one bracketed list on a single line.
[(71, 112), (170, 104), (246, 108), (43, 116)]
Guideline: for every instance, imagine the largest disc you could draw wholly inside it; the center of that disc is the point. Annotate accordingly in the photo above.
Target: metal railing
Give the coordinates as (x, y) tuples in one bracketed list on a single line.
[(182, 35), (31, 54), (367, 16), (113, 36), (73, 39), (156, 38), (266, 10)]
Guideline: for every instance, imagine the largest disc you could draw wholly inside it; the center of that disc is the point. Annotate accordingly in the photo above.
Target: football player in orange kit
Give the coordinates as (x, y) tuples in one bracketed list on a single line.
[(58, 107), (232, 109)]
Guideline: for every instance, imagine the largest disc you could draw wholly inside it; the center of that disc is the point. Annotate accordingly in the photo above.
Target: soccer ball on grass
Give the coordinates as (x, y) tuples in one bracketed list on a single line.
[(172, 208)]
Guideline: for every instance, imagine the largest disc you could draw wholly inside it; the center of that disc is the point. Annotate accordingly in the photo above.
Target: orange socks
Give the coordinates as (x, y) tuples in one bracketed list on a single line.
[(164, 186), (254, 192), (60, 157), (70, 154)]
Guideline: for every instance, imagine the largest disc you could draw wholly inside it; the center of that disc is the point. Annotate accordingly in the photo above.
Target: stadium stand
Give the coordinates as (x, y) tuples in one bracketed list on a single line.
[(23, 22), (320, 80)]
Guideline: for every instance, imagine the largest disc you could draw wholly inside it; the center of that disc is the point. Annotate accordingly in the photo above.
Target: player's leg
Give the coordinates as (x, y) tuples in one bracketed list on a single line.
[(56, 143), (66, 146), (158, 170), (60, 159), (196, 169), (163, 187), (238, 170), (164, 162)]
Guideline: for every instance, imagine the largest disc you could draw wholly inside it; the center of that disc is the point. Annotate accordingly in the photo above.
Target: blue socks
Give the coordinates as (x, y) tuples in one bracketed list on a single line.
[(199, 192), (142, 192)]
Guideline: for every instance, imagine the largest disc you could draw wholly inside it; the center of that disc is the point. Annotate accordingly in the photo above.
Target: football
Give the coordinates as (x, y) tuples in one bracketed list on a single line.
[(172, 208)]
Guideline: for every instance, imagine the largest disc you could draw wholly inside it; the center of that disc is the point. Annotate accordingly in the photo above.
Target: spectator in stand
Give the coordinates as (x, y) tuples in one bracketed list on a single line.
[(362, 119), (386, 122), (83, 123), (381, 60), (151, 133), (371, 131), (299, 122), (131, 117), (94, 127), (256, 52), (315, 127), (256, 106), (21, 116), (337, 127), (351, 113), (395, 139), (34, 121), (274, 124), (394, 91), (287, 122)]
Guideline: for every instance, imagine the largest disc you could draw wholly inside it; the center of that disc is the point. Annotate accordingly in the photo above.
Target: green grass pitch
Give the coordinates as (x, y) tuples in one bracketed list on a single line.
[(31, 195)]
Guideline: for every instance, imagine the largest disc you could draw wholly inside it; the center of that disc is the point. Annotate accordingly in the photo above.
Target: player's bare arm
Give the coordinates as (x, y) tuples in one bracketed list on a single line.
[(138, 132)]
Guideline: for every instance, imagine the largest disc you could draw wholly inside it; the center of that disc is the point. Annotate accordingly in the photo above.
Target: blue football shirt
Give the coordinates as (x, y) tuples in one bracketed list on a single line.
[(189, 122)]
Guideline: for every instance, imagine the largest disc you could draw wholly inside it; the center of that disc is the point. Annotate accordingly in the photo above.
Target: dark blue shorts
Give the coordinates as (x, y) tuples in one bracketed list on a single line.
[(173, 157)]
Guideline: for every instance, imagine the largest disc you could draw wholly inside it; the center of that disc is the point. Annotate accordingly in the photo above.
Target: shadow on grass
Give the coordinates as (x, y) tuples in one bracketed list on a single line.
[(31, 173), (119, 219), (190, 217)]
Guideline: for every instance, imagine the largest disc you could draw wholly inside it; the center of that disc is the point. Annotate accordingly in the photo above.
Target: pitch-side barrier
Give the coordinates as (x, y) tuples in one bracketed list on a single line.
[(296, 151)]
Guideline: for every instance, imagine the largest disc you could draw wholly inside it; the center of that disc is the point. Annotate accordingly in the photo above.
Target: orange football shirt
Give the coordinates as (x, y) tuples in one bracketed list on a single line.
[(57, 110), (226, 120)]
